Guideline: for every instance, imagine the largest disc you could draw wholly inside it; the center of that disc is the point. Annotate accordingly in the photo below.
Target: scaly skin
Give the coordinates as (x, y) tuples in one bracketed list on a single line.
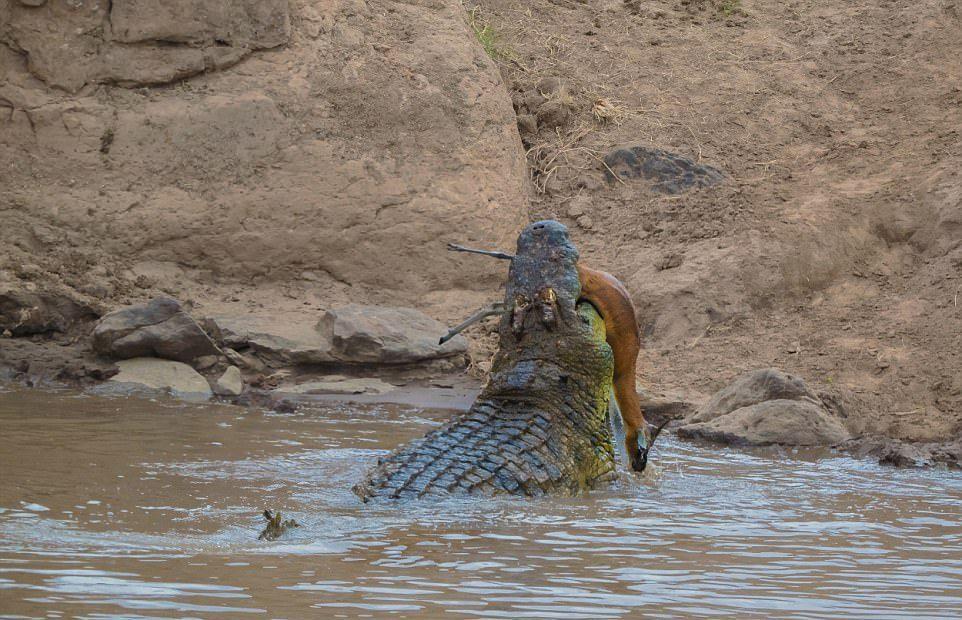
[(540, 425)]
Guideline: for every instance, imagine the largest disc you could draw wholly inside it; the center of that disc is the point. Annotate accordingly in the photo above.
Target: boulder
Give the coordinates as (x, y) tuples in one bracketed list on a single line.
[(150, 373), (765, 407), (668, 173), (752, 388), (351, 334), (145, 41), (244, 361), (386, 335), (160, 328), (784, 422), (24, 313), (278, 339), (230, 383)]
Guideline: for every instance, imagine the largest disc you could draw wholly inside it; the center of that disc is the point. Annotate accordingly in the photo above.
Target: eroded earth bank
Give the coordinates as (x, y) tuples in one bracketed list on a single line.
[(268, 187)]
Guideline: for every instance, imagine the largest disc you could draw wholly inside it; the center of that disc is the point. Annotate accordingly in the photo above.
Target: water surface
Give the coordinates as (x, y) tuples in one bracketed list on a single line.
[(127, 508)]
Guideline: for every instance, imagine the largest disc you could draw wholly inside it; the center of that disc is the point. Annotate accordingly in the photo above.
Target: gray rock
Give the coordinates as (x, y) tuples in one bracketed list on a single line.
[(385, 335), (765, 407), (24, 313), (752, 388), (353, 334), (230, 383), (668, 172), (161, 328), (149, 373), (205, 361), (784, 422), (244, 361), (281, 340)]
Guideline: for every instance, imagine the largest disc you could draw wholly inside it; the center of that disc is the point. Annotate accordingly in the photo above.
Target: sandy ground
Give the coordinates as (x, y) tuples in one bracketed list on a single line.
[(378, 130), (834, 251)]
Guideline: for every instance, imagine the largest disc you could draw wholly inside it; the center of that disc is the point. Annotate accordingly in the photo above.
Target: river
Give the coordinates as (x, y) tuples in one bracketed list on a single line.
[(140, 508)]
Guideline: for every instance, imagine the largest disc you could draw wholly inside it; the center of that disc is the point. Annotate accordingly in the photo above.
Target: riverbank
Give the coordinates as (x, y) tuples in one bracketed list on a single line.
[(283, 162)]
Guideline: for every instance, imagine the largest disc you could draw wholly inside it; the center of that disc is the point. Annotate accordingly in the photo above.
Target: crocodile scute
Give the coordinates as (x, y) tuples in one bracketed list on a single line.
[(540, 426)]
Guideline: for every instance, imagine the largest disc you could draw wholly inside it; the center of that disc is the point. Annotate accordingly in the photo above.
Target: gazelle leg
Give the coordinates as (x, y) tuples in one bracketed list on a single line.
[(492, 309)]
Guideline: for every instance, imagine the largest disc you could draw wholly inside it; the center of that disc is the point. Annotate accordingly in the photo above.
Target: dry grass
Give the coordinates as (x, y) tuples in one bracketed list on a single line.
[(605, 110)]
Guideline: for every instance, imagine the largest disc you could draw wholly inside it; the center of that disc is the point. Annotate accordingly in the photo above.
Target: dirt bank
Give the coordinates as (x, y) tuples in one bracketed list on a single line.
[(324, 152), (834, 249)]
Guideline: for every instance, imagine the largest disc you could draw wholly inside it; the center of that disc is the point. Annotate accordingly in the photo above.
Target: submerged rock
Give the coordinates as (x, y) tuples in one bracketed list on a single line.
[(160, 328), (668, 172), (898, 453), (150, 373), (766, 407)]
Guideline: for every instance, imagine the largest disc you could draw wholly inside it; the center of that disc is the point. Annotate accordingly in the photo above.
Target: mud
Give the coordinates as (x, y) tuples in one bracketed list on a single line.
[(168, 525)]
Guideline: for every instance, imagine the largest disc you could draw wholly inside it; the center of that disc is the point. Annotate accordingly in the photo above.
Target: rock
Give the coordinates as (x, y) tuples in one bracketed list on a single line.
[(785, 422), (668, 172), (899, 453), (585, 222), (161, 328), (172, 39), (205, 361), (282, 340), (752, 388), (244, 361), (254, 24), (339, 385), (25, 313), (386, 335), (765, 407), (230, 383), (177, 378)]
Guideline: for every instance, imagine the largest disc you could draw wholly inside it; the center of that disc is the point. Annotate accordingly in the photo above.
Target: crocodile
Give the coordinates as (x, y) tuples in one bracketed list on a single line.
[(540, 425)]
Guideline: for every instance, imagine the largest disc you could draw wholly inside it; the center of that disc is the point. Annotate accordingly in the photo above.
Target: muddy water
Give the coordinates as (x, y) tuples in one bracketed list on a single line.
[(150, 509)]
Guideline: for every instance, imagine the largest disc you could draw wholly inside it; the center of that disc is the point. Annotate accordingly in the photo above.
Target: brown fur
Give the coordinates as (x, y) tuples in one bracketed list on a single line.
[(613, 303)]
